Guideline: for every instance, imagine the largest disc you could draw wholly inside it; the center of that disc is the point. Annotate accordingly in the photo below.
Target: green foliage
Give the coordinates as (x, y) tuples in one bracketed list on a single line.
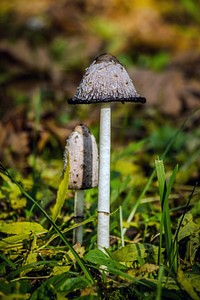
[(156, 62), (58, 49), (187, 285), (103, 261), (137, 252), (137, 263), (192, 6), (59, 286), (16, 289), (189, 237), (109, 31), (162, 135), (188, 227)]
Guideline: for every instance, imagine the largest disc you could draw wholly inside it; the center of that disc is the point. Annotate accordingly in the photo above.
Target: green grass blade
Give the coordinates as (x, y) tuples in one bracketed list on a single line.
[(171, 247), (161, 179), (164, 191), (121, 224), (160, 240), (161, 186), (130, 217), (8, 261), (15, 273), (159, 284), (75, 254)]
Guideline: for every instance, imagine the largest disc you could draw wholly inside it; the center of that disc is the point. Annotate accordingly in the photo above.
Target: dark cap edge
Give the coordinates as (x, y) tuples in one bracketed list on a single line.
[(138, 99)]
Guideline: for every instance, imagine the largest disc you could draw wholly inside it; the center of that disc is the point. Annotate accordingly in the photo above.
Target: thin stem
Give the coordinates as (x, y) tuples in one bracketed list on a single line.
[(104, 179), (121, 224), (78, 216)]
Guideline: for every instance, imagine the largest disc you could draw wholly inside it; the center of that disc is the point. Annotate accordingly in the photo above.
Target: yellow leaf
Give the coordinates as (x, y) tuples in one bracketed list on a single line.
[(186, 285), (21, 228), (132, 252), (148, 268), (18, 203), (195, 279), (31, 257), (60, 269), (125, 167), (14, 242), (79, 249), (61, 194), (188, 227)]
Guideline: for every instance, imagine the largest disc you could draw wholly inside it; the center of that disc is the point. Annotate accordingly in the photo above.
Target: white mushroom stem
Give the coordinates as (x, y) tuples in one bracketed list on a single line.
[(78, 216), (103, 229)]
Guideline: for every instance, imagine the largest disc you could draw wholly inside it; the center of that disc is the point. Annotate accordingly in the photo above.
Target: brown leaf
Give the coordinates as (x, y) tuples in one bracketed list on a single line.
[(18, 142), (160, 89)]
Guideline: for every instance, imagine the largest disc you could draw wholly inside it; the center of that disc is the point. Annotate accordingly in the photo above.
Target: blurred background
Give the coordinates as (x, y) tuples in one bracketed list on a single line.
[(45, 47)]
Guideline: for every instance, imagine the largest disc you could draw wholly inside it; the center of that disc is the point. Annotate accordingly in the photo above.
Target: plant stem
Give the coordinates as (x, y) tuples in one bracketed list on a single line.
[(103, 229), (121, 224), (78, 216)]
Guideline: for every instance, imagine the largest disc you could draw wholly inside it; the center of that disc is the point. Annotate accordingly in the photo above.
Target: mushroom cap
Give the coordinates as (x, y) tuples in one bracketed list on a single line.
[(82, 153), (106, 80)]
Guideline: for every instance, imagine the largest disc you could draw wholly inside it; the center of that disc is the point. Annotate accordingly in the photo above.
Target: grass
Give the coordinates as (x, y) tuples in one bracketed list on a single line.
[(154, 244), (164, 191), (62, 237)]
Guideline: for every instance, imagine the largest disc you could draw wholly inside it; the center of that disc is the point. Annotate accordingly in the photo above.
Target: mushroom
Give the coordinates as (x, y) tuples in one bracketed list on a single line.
[(105, 81), (82, 154)]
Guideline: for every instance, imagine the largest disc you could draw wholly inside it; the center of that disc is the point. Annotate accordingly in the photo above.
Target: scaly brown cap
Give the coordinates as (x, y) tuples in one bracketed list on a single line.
[(106, 80)]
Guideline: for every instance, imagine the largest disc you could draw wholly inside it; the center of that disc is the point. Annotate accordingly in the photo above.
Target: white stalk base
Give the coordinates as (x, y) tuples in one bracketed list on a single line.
[(103, 229), (79, 216)]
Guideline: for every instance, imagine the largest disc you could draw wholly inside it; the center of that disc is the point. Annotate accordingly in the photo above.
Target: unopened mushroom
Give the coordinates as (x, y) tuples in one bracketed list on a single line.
[(82, 153), (105, 80)]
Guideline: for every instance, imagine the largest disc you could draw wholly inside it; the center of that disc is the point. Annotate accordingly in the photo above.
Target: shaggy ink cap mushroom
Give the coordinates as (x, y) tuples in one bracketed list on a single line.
[(81, 150), (106, 80), (81, 153)]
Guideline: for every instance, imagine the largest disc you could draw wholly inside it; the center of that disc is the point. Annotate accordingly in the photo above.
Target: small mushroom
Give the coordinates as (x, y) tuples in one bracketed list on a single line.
[(104, 81), (82, 153)]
